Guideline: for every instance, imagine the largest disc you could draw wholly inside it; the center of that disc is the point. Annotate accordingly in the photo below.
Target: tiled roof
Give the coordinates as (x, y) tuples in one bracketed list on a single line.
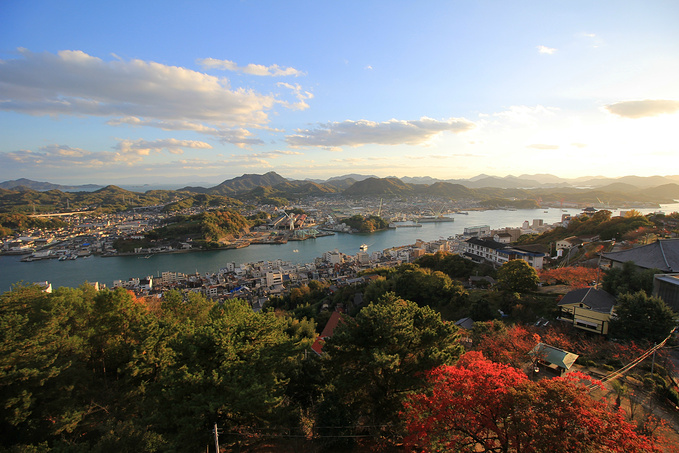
[(597, 299), (663, 255), (489, 243), (328, 330)]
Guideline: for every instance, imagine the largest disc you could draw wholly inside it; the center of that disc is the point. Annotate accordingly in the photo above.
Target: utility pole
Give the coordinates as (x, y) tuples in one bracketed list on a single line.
[(216, 438)]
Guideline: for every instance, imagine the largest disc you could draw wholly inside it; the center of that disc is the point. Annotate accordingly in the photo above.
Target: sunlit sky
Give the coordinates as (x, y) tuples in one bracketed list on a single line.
[(186, 91)]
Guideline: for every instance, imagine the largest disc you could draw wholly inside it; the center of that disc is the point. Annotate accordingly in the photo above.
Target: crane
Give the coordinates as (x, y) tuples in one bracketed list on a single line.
[(290, 218)]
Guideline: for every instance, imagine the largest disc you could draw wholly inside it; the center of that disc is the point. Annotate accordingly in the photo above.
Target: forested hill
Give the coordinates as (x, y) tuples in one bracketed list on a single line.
[(272, 188)]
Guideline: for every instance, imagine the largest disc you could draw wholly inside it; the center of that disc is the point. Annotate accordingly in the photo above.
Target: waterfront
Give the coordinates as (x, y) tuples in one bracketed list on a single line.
[(106, 270)]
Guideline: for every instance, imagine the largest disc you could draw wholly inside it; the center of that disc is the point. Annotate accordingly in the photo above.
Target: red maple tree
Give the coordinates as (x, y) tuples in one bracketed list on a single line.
[(482, 406), (575, 277)]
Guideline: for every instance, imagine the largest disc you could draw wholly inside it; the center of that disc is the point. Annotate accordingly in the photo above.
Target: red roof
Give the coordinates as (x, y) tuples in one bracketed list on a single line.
[(328, 330)]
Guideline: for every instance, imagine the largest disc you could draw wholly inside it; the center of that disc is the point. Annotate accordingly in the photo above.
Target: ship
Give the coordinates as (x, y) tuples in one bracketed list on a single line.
[(431, 219), (406, 224), (363, 247)]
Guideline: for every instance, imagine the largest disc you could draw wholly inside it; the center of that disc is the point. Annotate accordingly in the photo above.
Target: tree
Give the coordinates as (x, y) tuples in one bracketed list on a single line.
[(639, 317), (376, 359), (481, 406), (629, 279), (517, 276), (502, 344), (575, 277), (232, 370)]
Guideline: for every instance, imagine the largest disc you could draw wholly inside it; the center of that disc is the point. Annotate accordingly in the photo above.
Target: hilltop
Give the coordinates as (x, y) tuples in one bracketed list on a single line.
[(271, 188)]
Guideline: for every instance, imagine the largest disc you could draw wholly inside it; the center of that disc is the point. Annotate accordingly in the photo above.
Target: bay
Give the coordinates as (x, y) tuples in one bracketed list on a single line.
[(106, 270)]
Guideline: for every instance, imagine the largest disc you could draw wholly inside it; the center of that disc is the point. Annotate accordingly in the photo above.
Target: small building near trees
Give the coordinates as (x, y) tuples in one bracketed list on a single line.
[(588, 309), (551, 361)]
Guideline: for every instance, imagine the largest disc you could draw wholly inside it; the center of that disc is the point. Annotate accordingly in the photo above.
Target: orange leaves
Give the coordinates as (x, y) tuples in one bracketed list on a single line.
[(482, 406), (575, 277)]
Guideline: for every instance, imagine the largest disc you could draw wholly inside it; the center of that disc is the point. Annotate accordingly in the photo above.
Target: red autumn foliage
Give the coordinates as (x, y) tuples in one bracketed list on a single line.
[(506, 345), (575, 277), (481, 406)]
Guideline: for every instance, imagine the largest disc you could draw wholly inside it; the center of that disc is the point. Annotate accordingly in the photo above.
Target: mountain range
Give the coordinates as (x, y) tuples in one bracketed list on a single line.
[(272, 188), (271, 179)]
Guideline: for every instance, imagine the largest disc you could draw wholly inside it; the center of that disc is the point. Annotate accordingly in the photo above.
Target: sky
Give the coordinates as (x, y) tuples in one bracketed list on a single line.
[(151, 92)]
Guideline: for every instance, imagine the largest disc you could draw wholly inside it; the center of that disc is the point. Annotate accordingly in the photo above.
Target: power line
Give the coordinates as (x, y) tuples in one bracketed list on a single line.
[(617, 373)]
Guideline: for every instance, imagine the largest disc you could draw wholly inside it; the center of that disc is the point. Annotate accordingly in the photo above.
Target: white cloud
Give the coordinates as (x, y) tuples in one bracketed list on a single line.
[(252, 69), (363, 132), (63, 157), (74, 83), (546, 50), (643, 109), (301, 96), (240, 137), (144, 147)]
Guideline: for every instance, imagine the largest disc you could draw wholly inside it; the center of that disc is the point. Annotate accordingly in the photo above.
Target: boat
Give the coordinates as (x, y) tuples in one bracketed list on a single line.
[(406, 224), (363, 247), (431, 219), (295, 251)]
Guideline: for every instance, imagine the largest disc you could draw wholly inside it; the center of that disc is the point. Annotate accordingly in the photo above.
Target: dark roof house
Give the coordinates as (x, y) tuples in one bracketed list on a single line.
[(595, 299), (662, 255), (588, 309)]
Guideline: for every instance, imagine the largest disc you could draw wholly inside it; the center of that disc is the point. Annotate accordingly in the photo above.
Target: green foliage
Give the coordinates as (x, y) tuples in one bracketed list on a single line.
[(517, 276), (260, 218), (231, 370), (16, 222), (82, 370), (423, 286), (211, 226), (639, 317), (496, 203), (629, 279), (366, 224), (377, 359), (600, 223), (454, 265), (107, 199), (201, 201)]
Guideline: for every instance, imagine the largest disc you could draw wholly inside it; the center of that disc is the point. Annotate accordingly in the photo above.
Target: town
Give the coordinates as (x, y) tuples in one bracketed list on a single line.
[(87, 234)]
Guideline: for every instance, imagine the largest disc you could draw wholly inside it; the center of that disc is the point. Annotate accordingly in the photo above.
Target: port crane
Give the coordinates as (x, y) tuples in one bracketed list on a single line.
[(290, 218)]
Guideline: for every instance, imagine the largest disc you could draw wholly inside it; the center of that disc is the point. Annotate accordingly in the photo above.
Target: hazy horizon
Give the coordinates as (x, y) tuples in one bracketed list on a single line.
[(126, 91)]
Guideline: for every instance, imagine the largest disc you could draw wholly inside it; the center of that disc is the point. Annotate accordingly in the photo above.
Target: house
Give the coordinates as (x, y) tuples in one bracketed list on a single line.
[(568, 243), (328, 330), (502, 238), (480, 250), (666, 287), (465, 326), (551, 361), (588, 309), (662, 255), (465, 323)]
